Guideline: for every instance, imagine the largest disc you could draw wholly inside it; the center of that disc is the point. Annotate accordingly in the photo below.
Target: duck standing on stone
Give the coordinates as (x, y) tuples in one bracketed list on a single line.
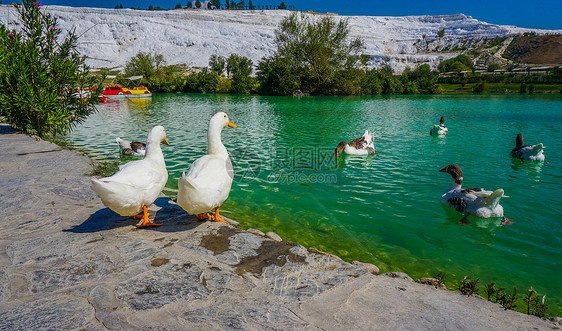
[(137, 184), (439, 129), (523, 152), (359, 146), (134, 148), (474, 201), (208, 181)]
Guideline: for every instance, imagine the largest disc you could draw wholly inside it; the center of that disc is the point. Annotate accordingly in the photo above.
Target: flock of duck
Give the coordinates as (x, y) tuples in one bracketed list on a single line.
[(207, 184), (138, 183)]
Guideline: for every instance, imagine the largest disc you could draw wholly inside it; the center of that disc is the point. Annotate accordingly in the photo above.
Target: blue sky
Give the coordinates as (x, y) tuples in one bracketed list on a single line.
[(544, 14)]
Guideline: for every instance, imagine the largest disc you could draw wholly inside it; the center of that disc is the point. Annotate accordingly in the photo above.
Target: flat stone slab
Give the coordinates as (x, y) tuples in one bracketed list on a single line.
[(67, 262)]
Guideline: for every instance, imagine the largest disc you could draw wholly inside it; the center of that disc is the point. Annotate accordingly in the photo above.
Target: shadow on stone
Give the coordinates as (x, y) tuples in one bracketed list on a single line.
[(172, 216), (103, 219)]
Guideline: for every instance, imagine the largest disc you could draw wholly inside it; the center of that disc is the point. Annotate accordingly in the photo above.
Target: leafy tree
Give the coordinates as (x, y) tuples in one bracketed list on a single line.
[(277, 76), (188, 4), (45, 87), (446, 65), (241, 5), (150, 7), (208, 82), (425, 80), (441, 33), (320, 48), (282, 5), (458, 67), (239, 69), (480, 87), (232, 4), (251, 6), (371, 83), (411, 88), (147, 64), (217, 64), (178, 6), (198, 4), (494, 66)]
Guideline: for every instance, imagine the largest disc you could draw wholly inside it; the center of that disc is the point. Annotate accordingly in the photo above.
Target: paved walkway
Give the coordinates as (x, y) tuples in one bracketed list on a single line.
[(67, 262)]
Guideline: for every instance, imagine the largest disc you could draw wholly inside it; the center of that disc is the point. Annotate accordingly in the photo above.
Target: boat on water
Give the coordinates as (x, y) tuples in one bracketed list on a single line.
[(118, 92)]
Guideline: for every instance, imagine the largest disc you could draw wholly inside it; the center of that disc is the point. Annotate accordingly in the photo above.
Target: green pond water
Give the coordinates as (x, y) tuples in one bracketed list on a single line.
[(382, 209)]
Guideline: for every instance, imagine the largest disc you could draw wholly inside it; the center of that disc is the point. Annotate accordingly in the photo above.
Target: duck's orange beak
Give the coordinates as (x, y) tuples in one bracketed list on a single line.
[(443, 170), (165, 141), (232, 125)]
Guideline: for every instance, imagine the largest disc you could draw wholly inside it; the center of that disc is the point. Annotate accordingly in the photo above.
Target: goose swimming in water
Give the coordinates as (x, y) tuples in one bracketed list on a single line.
[(474, 201), (359, 146), (439, 129), (525, 152), (134, 148)]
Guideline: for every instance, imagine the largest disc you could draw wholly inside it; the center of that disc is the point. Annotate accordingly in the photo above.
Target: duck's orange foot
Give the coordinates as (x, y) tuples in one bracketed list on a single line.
[(148, 224), (203, 217), (464, 220), (507, 221), (218, 219), (145, 221)]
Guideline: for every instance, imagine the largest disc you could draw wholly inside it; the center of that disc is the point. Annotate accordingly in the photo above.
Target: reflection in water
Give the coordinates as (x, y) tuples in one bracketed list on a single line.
[(532, 168), (139, 103), (385, 208)]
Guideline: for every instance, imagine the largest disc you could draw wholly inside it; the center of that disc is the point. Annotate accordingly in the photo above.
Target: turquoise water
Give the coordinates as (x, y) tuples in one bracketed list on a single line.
[(382, 209)]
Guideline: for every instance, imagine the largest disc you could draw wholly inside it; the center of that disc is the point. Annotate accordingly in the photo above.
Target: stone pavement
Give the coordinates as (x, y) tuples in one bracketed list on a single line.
[(67, 262)]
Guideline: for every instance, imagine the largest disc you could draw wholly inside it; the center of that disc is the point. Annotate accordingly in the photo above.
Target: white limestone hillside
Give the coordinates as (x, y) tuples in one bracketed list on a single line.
[(109, 37)]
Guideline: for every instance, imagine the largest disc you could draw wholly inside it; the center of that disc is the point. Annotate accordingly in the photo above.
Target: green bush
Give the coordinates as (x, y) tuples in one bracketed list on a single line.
[(41, 74), (464, 63), (148, 65), (320, 49), (239, 69), (277, 76)]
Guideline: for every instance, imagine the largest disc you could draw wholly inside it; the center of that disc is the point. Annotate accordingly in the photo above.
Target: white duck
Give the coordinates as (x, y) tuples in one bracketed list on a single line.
[(359, 146), (439, 129), (532, 153), (474, 201), (207, 184), (131, 147), (137, 184)]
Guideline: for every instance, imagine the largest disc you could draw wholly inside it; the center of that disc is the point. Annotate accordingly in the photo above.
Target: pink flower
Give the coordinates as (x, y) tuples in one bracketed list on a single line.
[(52, 28), (11, 34), (37, 4)]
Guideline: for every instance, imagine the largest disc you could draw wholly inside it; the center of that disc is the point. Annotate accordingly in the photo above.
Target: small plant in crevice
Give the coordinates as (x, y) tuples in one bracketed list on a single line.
[(528, 299), (468, 286), (538, 304), (505, 300), (491, 290)]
